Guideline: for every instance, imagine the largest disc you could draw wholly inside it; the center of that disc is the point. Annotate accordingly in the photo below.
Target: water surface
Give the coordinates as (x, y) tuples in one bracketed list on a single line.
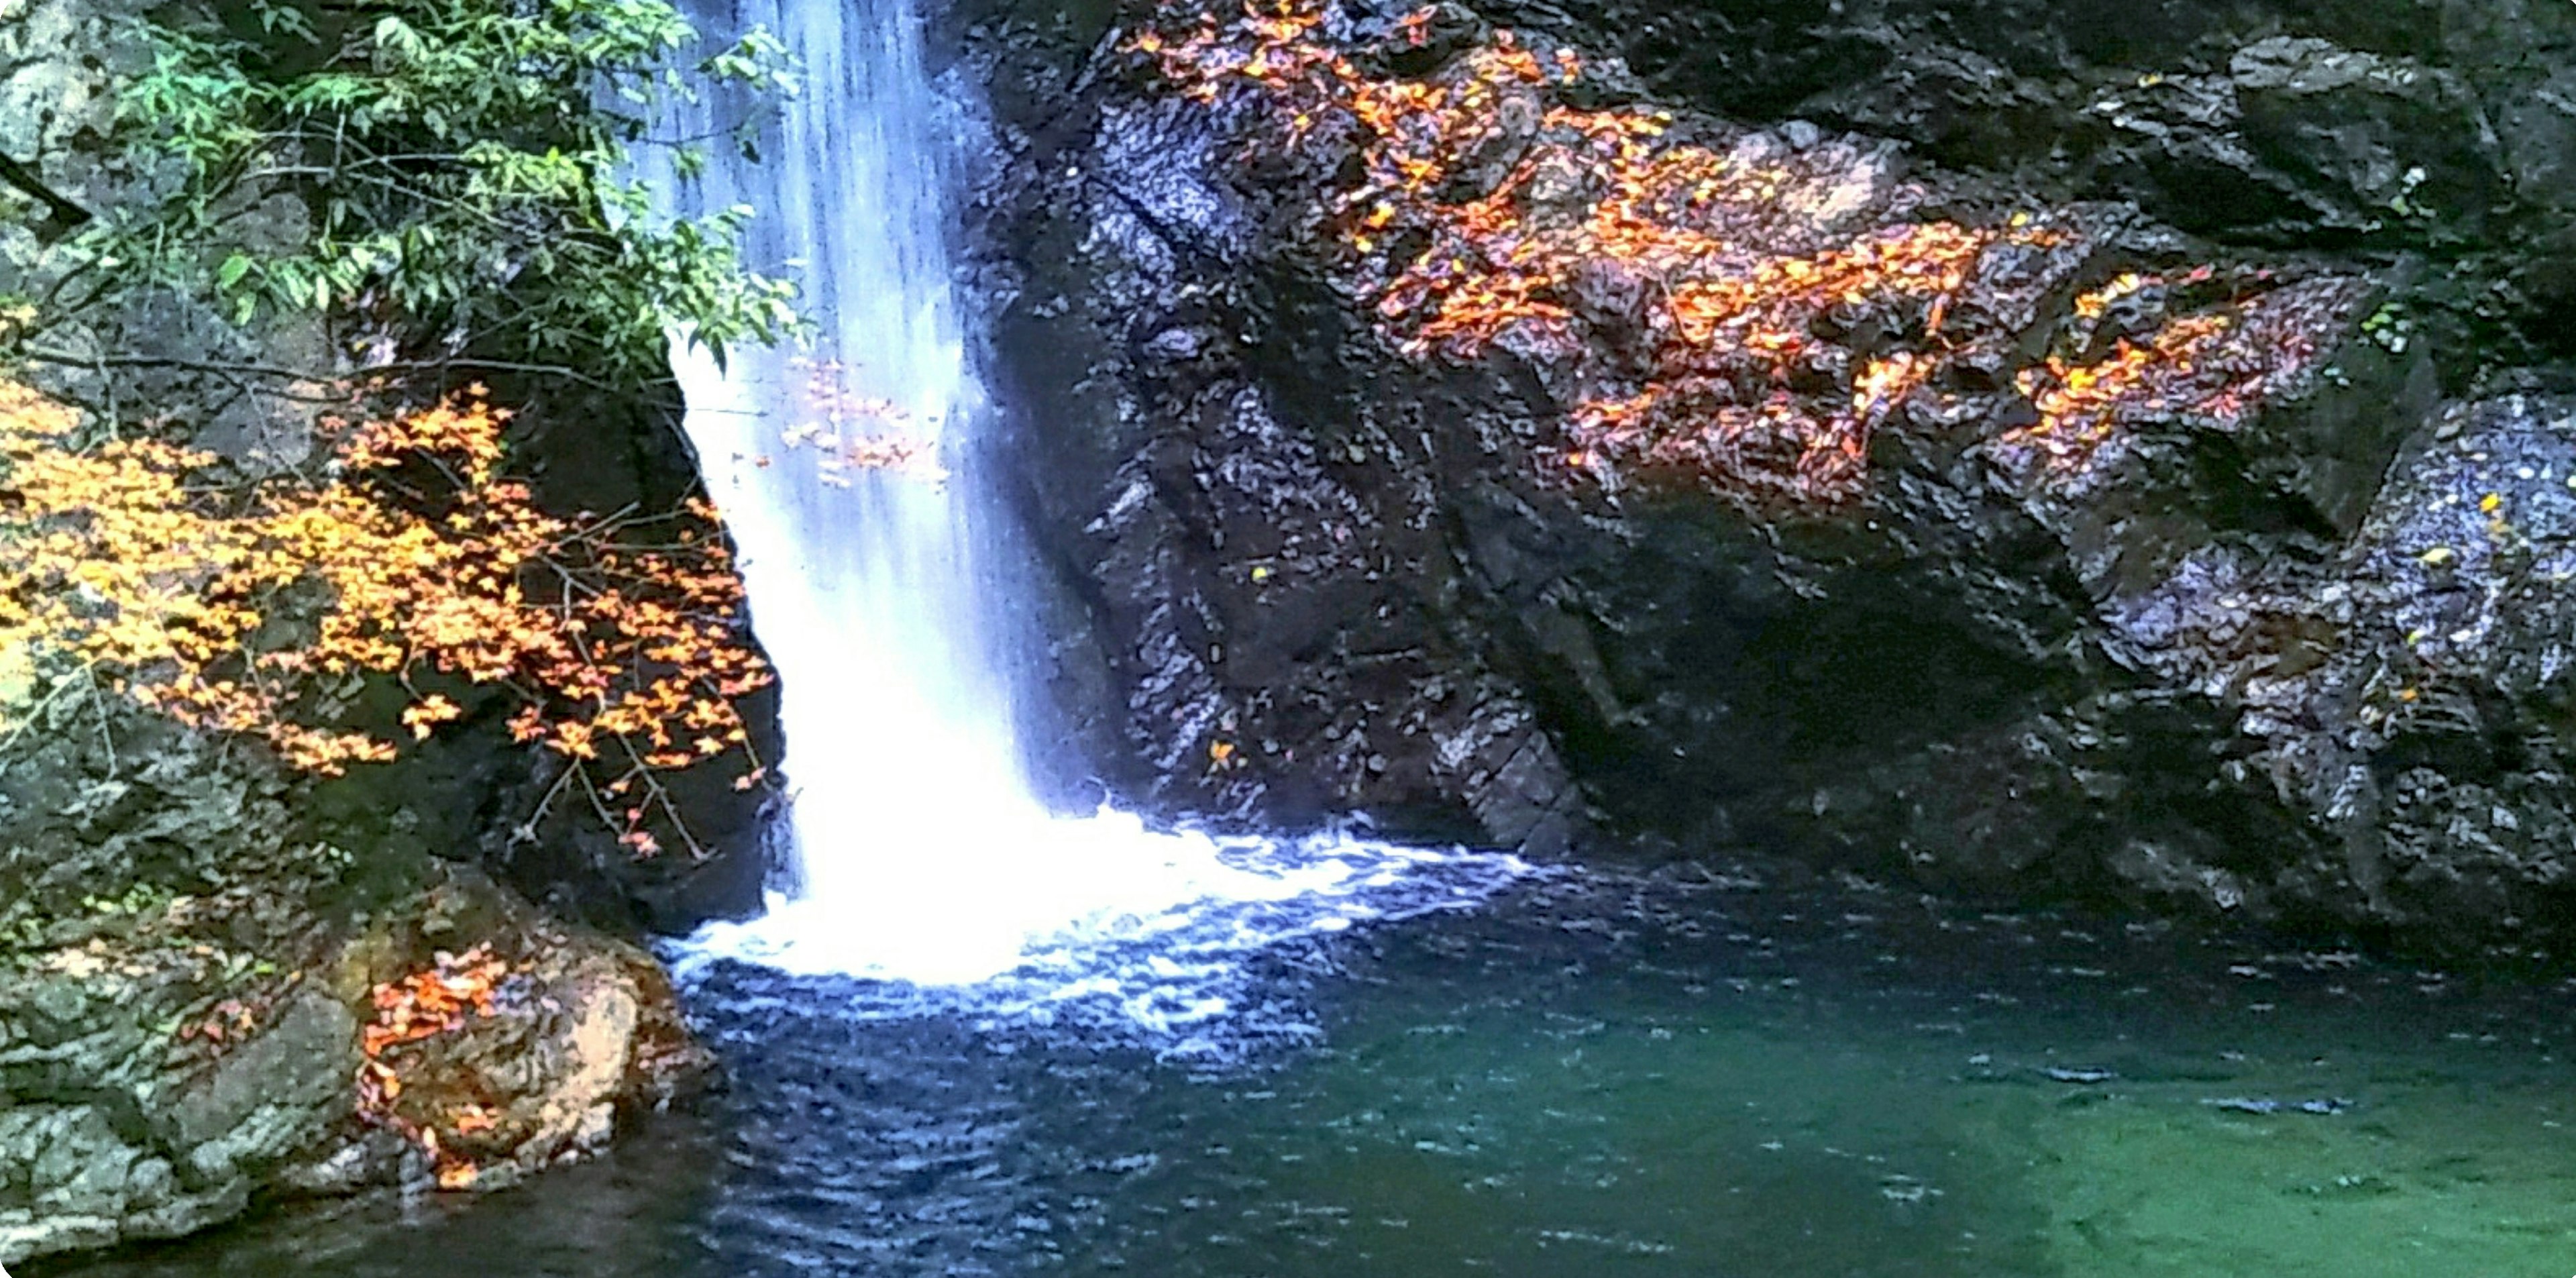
[(1594, 1074)]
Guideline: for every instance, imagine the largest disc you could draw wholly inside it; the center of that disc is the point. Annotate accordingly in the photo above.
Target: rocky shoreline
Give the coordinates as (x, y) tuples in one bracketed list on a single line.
[(2287, 646), (165, 1073)]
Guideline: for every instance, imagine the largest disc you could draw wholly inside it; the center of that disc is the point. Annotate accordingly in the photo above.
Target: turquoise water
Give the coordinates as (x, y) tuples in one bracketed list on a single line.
[(1595, 1074)]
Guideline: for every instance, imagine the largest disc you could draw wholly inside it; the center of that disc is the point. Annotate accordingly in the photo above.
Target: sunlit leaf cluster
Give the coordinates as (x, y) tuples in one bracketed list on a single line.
[(2213, 366), (1728, 307), (410, 555)]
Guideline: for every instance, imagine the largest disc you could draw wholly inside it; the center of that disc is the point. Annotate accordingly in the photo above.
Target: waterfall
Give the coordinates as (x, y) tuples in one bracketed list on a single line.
[(917, 849)]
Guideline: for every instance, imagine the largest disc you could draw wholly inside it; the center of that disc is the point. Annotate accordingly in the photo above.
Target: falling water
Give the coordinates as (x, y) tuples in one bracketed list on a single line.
[(918, 849)]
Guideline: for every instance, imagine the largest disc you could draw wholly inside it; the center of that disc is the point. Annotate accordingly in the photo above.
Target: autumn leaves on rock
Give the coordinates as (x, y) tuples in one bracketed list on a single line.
[(261, 609), (1718, 305), (422, 1006)]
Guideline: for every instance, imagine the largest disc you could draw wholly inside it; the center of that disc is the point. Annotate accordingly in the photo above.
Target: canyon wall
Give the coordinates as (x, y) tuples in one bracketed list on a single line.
[(2291, 648)]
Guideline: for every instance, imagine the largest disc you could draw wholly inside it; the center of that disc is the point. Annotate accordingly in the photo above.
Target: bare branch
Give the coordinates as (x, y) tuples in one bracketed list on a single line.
[(61, 211)]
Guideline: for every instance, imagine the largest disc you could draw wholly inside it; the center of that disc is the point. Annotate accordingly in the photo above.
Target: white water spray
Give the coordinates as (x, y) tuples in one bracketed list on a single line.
[(919, 850)]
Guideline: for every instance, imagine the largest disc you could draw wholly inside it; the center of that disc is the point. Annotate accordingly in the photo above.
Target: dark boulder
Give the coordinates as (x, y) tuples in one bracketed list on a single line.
[(2370, 126), (1289, 572)]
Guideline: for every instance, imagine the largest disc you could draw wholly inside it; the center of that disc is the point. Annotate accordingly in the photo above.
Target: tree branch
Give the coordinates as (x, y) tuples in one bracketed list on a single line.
[(460, 364), (59, 209)]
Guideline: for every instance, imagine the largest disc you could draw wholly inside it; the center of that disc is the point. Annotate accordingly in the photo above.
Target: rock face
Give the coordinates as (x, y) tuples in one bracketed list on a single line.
[(2364, 126), (191, 932), (2291, 662), (1256, 548), (164, 1061)]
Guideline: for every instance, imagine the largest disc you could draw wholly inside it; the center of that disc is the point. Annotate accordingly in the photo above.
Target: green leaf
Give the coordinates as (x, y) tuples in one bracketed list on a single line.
[(462, 161)]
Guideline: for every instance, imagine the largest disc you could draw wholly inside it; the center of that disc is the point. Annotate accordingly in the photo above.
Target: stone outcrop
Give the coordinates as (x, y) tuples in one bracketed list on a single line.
[(1289, 571), (191, 932), (167, 1060), (2370, 127)]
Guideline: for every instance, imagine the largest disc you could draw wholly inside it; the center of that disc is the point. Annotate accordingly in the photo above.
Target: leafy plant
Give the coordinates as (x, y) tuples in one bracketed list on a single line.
[(466, 173)]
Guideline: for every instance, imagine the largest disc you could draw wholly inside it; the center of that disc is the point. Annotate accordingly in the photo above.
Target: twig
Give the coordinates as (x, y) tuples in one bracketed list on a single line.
[(527, 831), (106, 730), (34, 713), (43, 356), (59, 208)]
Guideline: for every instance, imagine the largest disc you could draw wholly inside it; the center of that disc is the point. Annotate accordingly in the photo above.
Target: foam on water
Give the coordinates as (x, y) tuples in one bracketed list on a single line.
[(916, 848), (1176, 976), (1085, 885)]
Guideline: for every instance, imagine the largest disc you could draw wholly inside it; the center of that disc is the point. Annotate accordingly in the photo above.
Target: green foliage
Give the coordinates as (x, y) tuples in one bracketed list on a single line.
[(465, 170), (2390, 327)]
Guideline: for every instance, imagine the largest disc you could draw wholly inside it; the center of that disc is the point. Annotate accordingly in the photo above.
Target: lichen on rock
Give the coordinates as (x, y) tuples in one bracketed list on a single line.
[(166, 1062)]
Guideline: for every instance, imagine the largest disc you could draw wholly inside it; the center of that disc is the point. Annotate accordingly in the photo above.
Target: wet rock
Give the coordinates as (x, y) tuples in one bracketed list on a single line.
[(2427, 741), (582, 1030), (2369, 139), (1492, 157), (186, 924), (2386, 123), (1301, 574), (161, 1077)]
